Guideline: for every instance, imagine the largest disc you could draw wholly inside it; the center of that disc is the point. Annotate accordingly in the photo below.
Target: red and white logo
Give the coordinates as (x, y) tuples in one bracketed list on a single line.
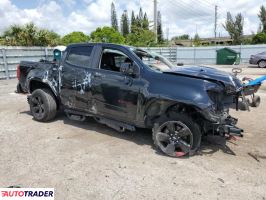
[(26, 193)]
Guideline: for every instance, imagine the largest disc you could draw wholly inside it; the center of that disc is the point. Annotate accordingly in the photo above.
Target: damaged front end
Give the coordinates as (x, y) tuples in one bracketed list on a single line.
[(217, 92), (223, 96)]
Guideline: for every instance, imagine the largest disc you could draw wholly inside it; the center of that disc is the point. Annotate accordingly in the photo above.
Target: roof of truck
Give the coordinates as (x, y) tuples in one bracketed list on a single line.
[(98, 43)]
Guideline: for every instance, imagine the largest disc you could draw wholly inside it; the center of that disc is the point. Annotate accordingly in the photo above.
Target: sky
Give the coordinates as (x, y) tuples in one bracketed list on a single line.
[(178, 16)]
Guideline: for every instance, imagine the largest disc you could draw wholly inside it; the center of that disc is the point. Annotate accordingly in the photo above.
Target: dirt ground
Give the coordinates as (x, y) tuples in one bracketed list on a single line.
[(86, 160)]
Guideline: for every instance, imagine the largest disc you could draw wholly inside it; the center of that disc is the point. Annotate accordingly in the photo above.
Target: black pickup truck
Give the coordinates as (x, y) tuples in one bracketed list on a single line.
[(126, 87)]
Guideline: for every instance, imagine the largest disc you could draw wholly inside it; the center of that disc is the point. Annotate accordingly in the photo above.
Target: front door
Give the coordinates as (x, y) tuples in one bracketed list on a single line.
[(115, 94)]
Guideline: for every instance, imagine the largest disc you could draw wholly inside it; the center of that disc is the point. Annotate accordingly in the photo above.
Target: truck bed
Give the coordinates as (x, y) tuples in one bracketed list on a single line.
[(25, 67)]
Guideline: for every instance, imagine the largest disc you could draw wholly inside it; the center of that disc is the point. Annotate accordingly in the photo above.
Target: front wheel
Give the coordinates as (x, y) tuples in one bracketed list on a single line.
[(176, 135), (43, 105)]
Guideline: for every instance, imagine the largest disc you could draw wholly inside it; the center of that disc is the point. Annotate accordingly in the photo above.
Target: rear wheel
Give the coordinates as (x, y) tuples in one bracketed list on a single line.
[(19, 89), (176, 135), (262, 64), (43, 105)]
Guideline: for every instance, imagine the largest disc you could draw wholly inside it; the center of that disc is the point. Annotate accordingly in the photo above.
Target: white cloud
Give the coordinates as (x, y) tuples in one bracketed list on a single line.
[(180, 16), (69, 3)]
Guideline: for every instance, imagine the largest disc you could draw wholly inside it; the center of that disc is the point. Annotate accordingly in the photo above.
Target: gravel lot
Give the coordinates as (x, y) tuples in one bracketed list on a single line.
[(86, 160)]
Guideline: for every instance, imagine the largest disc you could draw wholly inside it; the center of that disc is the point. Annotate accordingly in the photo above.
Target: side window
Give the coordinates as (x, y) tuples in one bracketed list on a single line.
[(80, 56), (113, 59)]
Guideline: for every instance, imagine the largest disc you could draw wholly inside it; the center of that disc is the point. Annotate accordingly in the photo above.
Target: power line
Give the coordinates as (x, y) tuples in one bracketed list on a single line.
[(198, 3), (187, 11), (190, 8), (207, 3)]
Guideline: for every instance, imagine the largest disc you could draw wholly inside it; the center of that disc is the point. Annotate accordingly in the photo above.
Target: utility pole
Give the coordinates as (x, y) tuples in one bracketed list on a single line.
[(155, 14), (215, 21), (167, 33)]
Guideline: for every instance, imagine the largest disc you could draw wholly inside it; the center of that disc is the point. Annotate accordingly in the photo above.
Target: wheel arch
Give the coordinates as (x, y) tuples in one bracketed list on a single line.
[(35, 84), (261, 60), (161, 107)]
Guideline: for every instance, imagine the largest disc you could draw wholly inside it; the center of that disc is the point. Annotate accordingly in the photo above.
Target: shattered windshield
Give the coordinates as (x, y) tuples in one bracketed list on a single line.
[(153, 60)]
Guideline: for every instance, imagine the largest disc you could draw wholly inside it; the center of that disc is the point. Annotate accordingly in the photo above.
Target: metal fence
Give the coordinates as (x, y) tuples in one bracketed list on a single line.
[(168, 52), (11, 56), (207, 55)]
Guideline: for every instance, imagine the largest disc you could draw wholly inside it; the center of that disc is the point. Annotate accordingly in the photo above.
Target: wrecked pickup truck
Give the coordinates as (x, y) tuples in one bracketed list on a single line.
[(126, 87)]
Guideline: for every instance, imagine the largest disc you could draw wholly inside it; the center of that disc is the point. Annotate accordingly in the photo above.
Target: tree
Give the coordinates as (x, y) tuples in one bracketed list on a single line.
[(259, 38), (114, 17), (139, 19), (141, 37), (145, 22), (47, 38), (108, 35), (133, 22), (75, 37), (196, 40), (2, 40), (159, 28), (124, 24), (140, 14), (262, 17), (181, 37), (13, 35), (138, 22), (29, 35), (235, 27)]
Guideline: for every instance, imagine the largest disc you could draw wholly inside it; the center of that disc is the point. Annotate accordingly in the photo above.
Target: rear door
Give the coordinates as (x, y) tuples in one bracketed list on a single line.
[(76, 78)]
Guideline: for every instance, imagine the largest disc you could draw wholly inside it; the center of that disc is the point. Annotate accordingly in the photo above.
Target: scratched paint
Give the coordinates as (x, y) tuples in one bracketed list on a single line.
[(85, 84), (54, 83)]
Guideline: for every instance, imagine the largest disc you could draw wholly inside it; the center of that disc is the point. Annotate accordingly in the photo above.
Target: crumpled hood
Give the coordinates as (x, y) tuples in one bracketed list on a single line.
[(207, 73)]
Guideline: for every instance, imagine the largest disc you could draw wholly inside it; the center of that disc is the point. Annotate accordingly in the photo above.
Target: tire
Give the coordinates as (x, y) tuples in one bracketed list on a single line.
[(255, 101), (186, 138), (262, 64), (19, 89), (242, 106), (43, 105)]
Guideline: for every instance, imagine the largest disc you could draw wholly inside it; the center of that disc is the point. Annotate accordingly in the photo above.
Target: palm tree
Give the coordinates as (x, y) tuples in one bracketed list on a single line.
[(29, 35), (13, 35)]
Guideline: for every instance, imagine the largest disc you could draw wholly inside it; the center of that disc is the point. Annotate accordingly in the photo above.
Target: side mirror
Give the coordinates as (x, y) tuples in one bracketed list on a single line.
[(129, 69)]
